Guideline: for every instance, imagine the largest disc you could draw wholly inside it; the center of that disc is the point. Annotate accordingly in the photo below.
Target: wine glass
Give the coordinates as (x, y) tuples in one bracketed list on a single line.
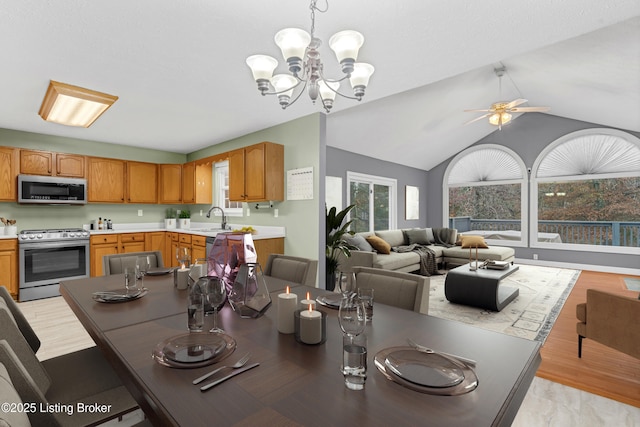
[(347, 283), (142, 266), (182, 255), (215, 297), (351, 316)]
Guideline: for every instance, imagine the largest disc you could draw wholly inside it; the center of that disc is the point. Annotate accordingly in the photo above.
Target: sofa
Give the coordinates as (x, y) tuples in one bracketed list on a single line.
[(375, 249)]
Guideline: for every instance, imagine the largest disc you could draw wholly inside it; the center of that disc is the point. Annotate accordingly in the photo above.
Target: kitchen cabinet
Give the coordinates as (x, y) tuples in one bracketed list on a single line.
[(170, 183), (142, 182), (198, 248), (155, 241), (8, 173), (9, 266), (265, 247), (36, 162), (197, 182), (106, 180), (172, 245), (256, 173), (131, 242), (101, 245)]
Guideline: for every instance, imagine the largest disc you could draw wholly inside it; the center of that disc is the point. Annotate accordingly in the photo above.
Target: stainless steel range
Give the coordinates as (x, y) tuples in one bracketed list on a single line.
[(49, 256)]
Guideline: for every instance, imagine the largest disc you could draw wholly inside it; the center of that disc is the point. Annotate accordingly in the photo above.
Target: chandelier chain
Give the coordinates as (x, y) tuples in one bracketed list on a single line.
[(313, 8)]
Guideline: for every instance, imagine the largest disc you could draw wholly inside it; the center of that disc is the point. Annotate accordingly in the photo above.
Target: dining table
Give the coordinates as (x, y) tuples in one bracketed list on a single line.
[(297, 384)]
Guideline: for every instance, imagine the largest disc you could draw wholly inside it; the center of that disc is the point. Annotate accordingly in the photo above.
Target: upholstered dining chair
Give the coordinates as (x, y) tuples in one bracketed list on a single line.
[(82, 376), (403, 290), (292, 269), (116, 263)]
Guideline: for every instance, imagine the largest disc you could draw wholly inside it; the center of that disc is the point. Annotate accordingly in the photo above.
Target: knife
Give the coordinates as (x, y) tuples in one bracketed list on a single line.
[(223, 379)]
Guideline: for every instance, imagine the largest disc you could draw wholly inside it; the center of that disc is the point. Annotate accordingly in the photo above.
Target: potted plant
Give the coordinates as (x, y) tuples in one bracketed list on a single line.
[(184, 219), (170, 218), (335, 246)]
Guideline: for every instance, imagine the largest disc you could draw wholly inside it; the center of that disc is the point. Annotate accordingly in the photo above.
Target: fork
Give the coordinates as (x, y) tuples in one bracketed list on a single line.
[(239, 364), (424, 349)]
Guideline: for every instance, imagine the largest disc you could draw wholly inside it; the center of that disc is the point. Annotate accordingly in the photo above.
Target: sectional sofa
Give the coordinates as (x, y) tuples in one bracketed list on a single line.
[(372, 253)]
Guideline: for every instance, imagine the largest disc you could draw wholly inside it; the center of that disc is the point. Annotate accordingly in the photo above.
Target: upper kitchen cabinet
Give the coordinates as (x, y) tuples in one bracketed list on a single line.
[(256, 173), (36, 162), (106, 180), (170, 183), (142, 182), (197, 182), (8, 173)]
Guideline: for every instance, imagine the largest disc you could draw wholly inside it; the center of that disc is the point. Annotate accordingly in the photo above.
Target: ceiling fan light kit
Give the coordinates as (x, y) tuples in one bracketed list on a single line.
[(499, 113), (300, 51)]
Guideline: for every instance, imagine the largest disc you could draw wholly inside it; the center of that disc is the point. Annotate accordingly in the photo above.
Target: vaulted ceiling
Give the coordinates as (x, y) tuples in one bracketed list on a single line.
[(178, 68)]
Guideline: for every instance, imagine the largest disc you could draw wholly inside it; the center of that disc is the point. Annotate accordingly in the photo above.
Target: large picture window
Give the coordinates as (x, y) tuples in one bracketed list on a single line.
[(586, 192), (485, 193)]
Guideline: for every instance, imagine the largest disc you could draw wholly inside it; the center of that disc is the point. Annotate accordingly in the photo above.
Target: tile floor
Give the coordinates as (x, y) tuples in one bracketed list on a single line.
[(546, 403)]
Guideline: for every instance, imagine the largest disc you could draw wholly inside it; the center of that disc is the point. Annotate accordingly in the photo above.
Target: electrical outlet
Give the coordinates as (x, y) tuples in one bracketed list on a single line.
[(248, 212), (275, 213), (200, 212), (535, 256), (139, 212)]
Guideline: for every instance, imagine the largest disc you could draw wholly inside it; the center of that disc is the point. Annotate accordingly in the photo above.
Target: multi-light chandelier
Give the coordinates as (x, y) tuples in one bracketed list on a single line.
[(300, 50)]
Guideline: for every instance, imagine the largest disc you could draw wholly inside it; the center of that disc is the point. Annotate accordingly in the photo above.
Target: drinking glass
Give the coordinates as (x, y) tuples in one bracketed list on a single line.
[(366, 295), (352, 316), (347, 283), (215, 293), (183, 257), (142, 266)]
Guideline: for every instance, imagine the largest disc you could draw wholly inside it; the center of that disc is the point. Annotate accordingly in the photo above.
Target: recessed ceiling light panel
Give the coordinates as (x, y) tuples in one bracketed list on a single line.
[(74, 106)]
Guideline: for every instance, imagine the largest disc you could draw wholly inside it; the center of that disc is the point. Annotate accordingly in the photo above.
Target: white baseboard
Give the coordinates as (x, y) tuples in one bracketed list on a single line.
[(589, 267)]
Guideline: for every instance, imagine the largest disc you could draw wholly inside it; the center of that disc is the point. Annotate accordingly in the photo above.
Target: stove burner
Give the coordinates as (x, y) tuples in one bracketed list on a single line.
[(53, 234)]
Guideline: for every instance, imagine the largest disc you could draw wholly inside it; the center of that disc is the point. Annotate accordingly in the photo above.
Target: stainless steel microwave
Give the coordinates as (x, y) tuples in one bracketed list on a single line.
[(52, 190)]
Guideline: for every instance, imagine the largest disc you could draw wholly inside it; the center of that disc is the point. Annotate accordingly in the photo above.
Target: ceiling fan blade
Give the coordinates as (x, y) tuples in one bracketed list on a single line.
[(473, 111), (529, 109), (478, 118), (515, 103)]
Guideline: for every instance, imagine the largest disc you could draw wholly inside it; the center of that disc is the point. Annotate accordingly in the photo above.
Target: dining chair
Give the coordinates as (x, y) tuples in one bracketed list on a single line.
[(82, 376), (292, 269), (404, 290), (116, 263)]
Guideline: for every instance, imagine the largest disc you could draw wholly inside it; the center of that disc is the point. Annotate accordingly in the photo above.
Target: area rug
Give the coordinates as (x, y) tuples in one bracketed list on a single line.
[(543, 291)]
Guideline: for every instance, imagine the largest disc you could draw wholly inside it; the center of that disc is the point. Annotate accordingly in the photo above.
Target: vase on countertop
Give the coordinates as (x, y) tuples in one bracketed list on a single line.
[(170, 223), (184, 223)]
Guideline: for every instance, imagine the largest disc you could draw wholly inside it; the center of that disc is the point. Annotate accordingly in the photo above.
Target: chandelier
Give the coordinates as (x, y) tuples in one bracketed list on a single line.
[(300, 51)]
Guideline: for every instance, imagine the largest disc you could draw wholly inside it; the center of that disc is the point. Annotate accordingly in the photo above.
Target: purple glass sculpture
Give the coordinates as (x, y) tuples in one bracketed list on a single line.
[(228, 253)]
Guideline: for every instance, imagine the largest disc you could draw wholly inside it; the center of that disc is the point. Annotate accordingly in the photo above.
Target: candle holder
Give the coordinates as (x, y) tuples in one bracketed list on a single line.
[(311, 331)]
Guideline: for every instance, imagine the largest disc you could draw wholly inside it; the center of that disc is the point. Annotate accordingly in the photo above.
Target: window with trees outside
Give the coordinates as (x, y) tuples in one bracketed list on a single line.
[(221, 191), (485, 193), (375, 200), (586, 193)]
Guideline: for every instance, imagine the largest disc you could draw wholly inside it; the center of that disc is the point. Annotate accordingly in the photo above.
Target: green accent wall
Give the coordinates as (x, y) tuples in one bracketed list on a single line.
[(300, 218)]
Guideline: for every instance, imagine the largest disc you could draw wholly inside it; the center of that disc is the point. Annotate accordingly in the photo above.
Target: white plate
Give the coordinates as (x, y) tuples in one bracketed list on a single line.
[(118, 296), (159, 271)]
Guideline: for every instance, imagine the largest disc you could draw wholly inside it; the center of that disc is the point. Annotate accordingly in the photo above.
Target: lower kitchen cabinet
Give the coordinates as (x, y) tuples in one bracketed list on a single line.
[(155, 241), (198, 248), (101, 245), (265, 247), (9, 265)]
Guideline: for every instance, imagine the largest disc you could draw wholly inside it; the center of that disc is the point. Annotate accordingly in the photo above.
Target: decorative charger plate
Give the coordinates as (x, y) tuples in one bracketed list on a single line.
[(159, 271), (118, 296), (330, 300), (431, 373), (193, 349)]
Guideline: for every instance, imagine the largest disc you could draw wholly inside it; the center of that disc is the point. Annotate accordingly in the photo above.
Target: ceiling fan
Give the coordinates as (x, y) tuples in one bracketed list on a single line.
[(500, 112)]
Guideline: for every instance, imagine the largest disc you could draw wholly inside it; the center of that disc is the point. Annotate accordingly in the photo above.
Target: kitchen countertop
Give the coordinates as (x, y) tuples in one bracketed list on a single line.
[(200, 229)]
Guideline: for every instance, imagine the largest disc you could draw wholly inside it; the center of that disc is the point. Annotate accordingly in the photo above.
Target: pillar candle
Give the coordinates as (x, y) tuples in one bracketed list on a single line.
[(310, 326), (305, 303), (182, 281), (287, 305)]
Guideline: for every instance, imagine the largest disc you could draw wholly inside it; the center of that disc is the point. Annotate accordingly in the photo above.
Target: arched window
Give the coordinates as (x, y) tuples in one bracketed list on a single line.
[(586, 193), (485, 193)]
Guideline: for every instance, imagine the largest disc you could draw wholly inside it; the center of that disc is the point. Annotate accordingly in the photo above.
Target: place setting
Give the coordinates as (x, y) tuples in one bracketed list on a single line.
[(133, 285)]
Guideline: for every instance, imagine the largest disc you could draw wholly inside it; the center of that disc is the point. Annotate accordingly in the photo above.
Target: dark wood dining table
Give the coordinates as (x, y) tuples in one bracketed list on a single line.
[(297, 384)]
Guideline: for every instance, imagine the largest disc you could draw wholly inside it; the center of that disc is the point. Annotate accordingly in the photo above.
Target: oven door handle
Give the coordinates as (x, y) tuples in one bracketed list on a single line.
[(53, 245)]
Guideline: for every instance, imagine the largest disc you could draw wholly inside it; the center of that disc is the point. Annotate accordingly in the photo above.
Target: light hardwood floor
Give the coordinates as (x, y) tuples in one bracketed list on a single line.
[(548, 402)]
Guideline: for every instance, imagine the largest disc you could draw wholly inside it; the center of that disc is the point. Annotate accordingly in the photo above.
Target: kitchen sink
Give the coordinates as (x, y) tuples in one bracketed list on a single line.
[(212, 229)]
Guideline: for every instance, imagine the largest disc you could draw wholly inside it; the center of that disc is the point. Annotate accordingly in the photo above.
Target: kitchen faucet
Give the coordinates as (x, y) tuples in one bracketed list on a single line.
[(223, 224)]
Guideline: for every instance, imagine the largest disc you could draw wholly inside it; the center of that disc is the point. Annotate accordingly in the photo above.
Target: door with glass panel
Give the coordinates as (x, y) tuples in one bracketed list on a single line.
[(374, 200)]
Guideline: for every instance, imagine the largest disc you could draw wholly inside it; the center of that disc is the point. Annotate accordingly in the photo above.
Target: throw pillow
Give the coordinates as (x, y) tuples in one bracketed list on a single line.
[(379, 244), (469, 241), (417, 235), (430, 235), (359, 242)]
